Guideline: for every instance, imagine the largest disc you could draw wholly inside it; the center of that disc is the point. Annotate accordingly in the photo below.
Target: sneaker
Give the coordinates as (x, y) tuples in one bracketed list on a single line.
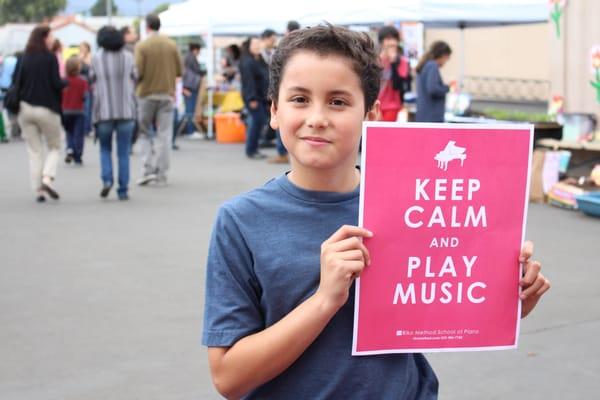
[(49, 190), (69, 158), (256, 156), (40, 198), (105, 190), (123, 196), (284, 159), (196, 136), (146, 179)]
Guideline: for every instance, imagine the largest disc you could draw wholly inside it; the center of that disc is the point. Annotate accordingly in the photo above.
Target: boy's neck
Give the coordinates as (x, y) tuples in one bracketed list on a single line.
[(340, 180)]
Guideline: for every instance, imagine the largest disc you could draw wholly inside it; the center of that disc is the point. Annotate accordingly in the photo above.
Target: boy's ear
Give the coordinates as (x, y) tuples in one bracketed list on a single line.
[(274, 124), (374, 114)]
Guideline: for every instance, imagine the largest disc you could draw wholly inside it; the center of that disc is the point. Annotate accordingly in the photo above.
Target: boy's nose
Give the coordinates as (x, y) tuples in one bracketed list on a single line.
[(317, 119)]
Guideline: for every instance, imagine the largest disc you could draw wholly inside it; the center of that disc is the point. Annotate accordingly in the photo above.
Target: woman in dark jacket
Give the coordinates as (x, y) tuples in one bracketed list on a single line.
[(114, 109), (255, 81), (40, 90), (431, 91)]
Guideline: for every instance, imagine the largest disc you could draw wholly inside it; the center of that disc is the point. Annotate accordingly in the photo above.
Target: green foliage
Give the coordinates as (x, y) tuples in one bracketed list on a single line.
[(519, 116), (99, 8), (29, 10), (161, 7)]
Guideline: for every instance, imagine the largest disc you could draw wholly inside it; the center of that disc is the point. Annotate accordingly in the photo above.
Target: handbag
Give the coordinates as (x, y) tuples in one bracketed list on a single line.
[(12, 97)]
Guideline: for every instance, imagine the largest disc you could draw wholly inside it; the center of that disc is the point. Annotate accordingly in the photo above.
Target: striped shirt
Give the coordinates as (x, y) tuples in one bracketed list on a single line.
[(114, 74)]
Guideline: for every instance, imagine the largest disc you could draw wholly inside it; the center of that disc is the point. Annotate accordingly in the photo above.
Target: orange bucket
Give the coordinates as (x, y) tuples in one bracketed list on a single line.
[(229, 128)]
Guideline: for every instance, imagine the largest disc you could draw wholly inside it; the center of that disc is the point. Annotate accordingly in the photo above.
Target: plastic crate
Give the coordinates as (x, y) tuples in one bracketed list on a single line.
[(589, 203)]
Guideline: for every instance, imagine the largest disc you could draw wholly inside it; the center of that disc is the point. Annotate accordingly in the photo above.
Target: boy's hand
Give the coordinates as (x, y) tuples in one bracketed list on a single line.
[(533, 283), (343, 257)]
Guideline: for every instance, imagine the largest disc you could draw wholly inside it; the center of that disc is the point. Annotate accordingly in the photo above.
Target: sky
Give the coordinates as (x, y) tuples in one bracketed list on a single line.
[(126, 7)]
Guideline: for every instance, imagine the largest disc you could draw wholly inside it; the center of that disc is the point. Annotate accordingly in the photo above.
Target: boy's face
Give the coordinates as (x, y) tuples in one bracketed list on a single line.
[(320, 111)]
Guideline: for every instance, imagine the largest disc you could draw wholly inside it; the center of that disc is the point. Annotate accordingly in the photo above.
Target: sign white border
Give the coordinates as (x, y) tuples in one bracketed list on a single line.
[(363, 169)]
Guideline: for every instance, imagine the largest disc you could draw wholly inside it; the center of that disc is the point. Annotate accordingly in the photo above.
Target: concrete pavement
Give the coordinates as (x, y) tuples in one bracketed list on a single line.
[(104, 299)]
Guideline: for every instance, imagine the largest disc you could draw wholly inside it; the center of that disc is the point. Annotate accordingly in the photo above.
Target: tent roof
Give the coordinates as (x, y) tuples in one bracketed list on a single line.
[(243, 17)]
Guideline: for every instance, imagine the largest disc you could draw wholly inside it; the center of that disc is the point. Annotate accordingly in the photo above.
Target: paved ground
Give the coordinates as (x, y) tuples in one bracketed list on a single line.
[(104, 299)]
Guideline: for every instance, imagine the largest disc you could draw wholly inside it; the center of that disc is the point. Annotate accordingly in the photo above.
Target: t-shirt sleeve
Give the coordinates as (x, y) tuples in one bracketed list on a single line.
[(232, 305)]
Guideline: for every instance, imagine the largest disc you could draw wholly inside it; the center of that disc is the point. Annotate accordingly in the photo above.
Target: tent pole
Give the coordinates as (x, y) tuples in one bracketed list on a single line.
[(211, 81), (461, 76)]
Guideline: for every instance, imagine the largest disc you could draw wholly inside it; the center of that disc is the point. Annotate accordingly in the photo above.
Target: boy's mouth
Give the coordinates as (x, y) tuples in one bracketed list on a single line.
[(315, 140)]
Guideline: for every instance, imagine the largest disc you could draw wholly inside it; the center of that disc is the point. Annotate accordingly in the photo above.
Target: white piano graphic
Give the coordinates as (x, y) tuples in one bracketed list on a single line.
[(450, 152)]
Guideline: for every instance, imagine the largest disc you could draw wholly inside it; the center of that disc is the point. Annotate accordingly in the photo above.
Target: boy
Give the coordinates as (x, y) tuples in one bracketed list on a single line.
[(282, 260), (73, 110)]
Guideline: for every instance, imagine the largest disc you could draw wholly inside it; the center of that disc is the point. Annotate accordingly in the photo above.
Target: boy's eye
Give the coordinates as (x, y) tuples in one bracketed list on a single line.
[(299, 99), (338, 102)]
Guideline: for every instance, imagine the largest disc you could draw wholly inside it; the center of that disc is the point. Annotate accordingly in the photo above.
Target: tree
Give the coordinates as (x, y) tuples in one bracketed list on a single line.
[(161, 8), (99, 8), (29, 10)]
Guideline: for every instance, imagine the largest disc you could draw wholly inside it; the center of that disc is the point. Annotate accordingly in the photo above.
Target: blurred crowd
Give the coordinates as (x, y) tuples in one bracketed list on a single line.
[(127, 93)]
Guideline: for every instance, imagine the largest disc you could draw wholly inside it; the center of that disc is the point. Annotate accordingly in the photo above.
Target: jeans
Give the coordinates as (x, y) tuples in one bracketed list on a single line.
[(87, 113), (190, 110), (104, 131), (281, 150), (258, 119), (155, 145), (73, 124)]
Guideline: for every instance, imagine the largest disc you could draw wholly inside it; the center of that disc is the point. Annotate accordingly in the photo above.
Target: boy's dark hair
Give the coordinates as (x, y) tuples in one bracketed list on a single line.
[(326, 40), (110, 39), (267, 33), (73, 66), (153, 22), (293, 26), (194, 46), (388, 32)]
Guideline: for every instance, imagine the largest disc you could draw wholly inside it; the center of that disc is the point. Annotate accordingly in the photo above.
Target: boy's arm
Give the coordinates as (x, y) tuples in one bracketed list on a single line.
[(258, 358)]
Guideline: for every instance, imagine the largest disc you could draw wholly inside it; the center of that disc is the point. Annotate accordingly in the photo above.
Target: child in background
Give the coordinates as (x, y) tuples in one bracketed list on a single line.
[(73, 110), (282, 261)]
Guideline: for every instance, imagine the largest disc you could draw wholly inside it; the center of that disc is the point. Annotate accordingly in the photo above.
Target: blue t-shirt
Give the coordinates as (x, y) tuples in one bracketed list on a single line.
[(263, 261)]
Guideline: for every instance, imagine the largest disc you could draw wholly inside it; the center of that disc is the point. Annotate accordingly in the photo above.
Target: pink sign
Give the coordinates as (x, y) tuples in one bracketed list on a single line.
[(447, 204)]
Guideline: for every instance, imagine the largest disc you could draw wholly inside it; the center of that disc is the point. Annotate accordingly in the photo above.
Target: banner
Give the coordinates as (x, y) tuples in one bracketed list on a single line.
[(447, 204)]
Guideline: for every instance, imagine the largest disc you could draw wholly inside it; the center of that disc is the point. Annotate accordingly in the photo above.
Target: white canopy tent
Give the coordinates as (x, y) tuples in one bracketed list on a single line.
[(240, 17)]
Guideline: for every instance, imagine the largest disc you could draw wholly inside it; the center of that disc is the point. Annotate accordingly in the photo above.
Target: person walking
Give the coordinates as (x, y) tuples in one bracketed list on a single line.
[(395, 74), (73, 109), (113, 74), (192, 76), (85, 56), (159, 64), (7, 75), (255, 80), (40, 90), (431, 90)]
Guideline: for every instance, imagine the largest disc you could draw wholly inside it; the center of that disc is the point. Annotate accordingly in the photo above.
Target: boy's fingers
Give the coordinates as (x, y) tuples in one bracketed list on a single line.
[(532, 270), (526, 251), (352, 243), (353, 255), (533, 288), (544, 288), (355, 267), (347, 231)]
